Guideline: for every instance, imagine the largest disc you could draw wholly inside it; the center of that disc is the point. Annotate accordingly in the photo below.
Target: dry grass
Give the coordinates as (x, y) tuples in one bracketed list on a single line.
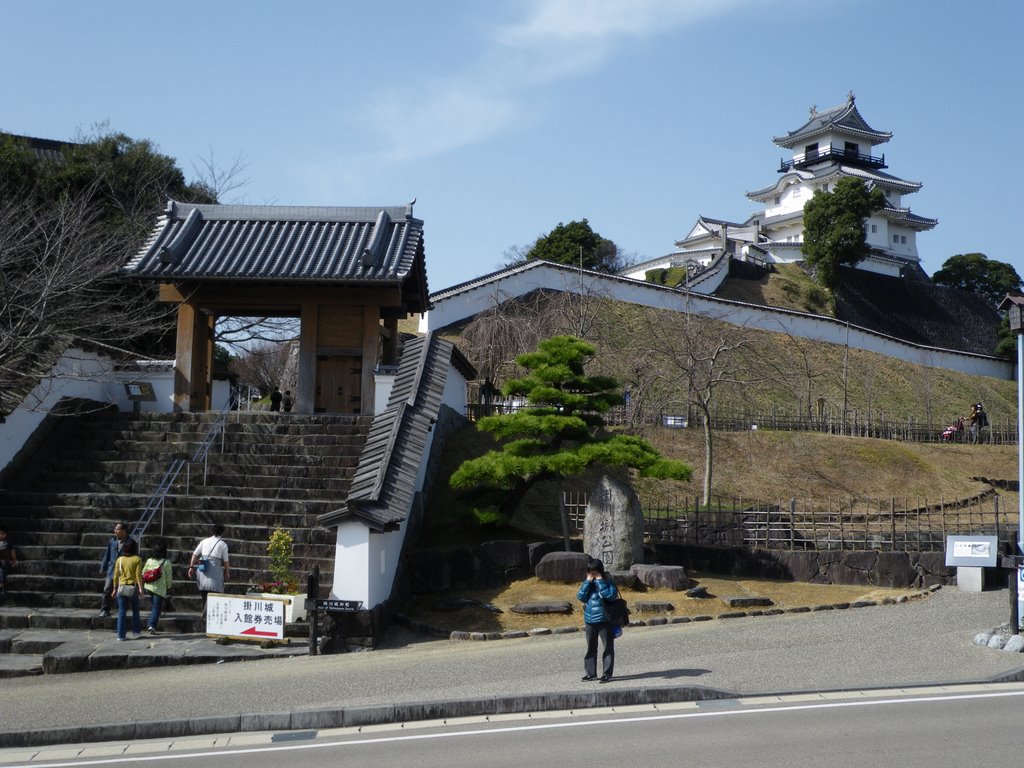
[(784, 594)]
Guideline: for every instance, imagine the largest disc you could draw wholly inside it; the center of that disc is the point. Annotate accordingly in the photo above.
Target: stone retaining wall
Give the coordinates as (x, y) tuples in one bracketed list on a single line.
[(861, 567)]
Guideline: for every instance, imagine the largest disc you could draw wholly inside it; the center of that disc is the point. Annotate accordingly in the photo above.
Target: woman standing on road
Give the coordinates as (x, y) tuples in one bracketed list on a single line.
[(595, 589)]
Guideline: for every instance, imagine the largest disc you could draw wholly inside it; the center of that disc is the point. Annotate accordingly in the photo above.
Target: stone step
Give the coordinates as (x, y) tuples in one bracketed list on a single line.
[(330, 490), (220, 464), (118, 506), (199, 482)]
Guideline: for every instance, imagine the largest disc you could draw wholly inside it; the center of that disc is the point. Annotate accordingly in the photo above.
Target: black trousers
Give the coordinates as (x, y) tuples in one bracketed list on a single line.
[(605, 632)]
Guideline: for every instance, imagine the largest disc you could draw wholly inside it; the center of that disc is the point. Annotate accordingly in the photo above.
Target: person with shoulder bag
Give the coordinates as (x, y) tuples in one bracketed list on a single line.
[(596, 588), (127, 586), (157, 578)]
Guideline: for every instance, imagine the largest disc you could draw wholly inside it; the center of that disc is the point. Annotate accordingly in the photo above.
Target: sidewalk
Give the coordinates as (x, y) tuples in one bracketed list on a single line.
[(61, 640), (923, 642)]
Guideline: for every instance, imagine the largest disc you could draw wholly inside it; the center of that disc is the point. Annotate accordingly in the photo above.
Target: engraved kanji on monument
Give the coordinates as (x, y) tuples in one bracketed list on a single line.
[(613, 529)]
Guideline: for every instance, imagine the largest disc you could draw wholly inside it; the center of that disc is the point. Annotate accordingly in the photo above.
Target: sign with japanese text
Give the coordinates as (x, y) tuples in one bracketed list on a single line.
[(244, 617)]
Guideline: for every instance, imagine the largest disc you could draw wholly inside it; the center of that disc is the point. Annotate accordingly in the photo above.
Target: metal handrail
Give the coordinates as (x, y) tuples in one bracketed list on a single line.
[(156, 501)]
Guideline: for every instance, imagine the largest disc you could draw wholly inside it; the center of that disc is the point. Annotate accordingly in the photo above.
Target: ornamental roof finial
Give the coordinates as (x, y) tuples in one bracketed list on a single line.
[(850, 97), (814, 109)]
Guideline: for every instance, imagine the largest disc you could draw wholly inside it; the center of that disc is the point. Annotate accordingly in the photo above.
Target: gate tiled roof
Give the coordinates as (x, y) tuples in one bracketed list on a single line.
[(285, 244)]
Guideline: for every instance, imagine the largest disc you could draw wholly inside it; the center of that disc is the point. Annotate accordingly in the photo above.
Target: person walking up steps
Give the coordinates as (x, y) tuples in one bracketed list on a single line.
[(158, 585), (127, 586)]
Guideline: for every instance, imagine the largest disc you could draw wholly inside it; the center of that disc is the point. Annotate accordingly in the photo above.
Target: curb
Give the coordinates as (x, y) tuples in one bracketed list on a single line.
[(348, 717), (354, 717)]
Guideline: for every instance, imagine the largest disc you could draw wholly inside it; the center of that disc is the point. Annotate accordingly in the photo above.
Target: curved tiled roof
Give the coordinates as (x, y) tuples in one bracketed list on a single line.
[(843, 119), (286, 244), (884, 180)]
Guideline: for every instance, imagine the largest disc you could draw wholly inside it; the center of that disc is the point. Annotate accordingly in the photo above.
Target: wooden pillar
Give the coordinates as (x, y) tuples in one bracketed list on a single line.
[(371, 342), (305, 397), (390, 352), (193, 359)]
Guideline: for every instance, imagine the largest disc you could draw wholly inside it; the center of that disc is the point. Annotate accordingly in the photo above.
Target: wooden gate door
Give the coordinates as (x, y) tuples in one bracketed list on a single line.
[(338, 384)]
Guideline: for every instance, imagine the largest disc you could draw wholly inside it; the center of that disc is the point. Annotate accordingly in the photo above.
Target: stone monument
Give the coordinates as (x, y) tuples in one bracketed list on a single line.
[(613, 529)]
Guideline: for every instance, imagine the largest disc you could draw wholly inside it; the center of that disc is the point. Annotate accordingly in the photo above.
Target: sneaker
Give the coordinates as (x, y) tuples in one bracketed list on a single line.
[(122, 639), (105, 614), (150, 630)]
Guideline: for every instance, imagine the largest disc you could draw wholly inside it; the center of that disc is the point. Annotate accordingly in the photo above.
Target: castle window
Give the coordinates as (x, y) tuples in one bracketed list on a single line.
[(903, 239), (896, 239), (874, 229), (778, 199)]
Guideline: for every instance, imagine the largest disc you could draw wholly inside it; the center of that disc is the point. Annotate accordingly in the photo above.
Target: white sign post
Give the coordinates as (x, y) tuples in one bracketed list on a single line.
[(245, 618)]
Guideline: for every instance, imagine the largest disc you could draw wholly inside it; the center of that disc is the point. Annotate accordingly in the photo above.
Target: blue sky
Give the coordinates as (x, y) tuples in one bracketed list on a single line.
[(504, 118)]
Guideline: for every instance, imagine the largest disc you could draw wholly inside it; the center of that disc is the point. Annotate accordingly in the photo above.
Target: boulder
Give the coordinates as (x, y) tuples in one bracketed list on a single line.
[(536, 551), (661, 576), (613, 529), (565, 567), (503, 555)]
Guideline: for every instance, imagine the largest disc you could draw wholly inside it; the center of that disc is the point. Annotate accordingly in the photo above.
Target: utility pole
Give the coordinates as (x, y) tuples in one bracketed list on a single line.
[(1014, 306)]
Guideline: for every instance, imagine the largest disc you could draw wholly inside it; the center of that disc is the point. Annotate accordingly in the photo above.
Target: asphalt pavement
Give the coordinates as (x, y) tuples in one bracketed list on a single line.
[(925, 641)]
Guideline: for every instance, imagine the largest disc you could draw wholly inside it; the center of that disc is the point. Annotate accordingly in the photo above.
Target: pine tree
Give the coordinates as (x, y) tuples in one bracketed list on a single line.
[(560, 432)]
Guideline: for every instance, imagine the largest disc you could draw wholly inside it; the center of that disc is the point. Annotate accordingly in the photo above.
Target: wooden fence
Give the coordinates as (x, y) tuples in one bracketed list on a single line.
[(1001, 431), (893, 524)]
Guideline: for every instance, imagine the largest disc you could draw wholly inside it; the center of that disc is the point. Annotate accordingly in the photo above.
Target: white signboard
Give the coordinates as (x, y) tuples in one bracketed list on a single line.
[(245, 618), (972, 551), (980, 549)]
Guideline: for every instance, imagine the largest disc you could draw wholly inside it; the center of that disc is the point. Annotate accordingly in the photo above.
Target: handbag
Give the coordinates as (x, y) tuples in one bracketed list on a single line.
[(616, 611), (153, 574), (202, 564), (126, 590)]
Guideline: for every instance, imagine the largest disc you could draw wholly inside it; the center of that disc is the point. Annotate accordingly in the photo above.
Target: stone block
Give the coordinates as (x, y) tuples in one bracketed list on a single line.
[(565, 567), (613, 529), (314, 719), (893, 570), (266, 721), (746, 601), (662, 576), (970, 579), (537, 550), (503, 555), (653, 606), (626, 580), (67, 658), (542, 608)]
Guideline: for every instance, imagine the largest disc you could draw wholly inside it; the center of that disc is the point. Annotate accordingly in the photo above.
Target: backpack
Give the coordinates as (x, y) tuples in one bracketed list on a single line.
[(616, 611)]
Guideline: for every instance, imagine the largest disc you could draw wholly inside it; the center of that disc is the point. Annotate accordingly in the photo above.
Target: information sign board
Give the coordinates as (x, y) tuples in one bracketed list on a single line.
[(339, 605), (245, 618), (972, 551)]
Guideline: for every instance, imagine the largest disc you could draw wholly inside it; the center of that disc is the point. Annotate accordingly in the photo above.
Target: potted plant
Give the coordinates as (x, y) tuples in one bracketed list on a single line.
[(283, 583)]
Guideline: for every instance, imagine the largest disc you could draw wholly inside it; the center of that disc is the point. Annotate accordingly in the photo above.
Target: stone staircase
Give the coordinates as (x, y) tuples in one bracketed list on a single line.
[(270, 470)]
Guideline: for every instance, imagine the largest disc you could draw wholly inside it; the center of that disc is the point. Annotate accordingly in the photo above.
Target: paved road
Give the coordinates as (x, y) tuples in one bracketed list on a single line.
[(917, 729), (925, 641)]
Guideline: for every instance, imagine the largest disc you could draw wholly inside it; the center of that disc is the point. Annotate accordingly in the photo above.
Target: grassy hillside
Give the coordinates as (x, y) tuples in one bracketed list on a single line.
[(780, 374), (765, 465)]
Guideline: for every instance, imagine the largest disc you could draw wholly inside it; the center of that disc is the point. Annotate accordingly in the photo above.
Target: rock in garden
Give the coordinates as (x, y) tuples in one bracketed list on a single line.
[(565, 567), (699, 592), (540, 608), (662, 576), (746, 601)]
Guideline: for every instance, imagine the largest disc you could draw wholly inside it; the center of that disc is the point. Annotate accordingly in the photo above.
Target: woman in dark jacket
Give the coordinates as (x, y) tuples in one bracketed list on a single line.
[(594, 590)]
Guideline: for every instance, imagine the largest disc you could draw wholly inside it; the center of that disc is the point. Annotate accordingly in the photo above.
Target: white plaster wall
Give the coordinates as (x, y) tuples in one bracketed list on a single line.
[(384, 382), (467, 303), (385, 550), (351, 563), (86, 374)]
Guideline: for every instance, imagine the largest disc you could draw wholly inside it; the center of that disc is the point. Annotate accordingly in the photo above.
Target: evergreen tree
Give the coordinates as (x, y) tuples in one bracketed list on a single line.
[(834, 227), (559, 433), (574, 244)]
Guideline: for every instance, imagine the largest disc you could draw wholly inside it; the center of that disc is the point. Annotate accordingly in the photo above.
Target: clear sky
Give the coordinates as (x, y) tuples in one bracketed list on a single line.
[(505, 117)]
